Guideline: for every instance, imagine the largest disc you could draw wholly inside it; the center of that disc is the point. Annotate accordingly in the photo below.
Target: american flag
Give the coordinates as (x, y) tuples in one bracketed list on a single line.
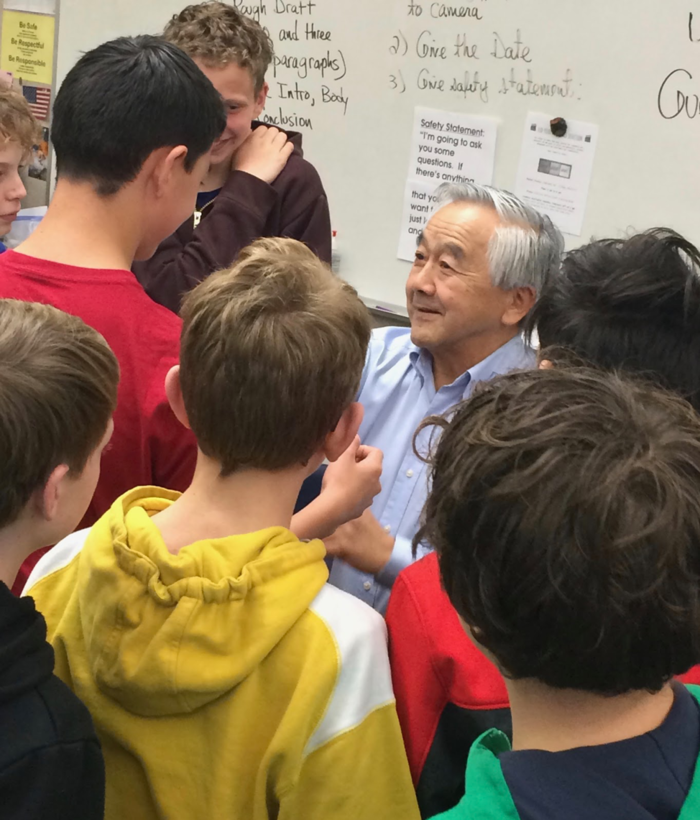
[(39, 100)]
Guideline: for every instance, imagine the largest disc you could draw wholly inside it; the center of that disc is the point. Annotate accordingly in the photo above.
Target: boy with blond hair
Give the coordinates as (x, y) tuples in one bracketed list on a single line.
[(259, 183), (58, 390), (226, 678), (18, 133)]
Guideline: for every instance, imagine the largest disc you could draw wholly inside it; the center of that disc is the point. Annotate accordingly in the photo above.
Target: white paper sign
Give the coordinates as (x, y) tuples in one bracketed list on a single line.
[(446, 147), (555, 172)]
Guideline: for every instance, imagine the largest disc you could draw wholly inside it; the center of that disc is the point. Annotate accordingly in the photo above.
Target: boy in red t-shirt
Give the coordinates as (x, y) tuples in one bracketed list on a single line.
[(127, 172), (133, 124)]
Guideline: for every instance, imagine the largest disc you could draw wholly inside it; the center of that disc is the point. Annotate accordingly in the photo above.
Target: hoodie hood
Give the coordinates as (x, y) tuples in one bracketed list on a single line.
[(166, 634), (26, 659), (295, 138)]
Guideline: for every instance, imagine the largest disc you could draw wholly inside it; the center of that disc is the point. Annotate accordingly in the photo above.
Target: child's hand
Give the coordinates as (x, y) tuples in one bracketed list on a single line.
[(352, 481), (264, 154), (349, 486)]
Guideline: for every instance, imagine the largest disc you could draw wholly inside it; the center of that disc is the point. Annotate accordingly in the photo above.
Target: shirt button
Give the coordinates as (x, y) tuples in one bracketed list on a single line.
[(387, 528), (367, 585), (409, 473)]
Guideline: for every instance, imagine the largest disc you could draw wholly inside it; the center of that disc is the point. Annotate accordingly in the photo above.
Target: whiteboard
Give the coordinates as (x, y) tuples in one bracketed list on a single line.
[(348, 74)]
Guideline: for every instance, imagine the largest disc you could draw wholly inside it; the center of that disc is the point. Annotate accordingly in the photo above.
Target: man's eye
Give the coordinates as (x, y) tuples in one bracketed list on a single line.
[(420, 256), (445, 265)]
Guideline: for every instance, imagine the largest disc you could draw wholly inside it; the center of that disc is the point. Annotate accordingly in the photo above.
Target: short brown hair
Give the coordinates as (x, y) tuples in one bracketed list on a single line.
[(565, 510), (58, 389), (219, 34), (272, 354), (17, 123)]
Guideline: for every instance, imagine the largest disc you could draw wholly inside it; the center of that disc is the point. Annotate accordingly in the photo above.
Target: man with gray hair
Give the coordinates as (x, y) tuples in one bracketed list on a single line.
[(480, 264)]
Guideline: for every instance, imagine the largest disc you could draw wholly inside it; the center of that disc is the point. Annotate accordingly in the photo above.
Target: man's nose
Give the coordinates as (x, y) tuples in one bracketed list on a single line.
[(424, 278)]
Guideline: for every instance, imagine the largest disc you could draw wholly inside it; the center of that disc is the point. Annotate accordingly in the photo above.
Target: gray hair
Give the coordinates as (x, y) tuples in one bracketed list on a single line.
[(524, 252)]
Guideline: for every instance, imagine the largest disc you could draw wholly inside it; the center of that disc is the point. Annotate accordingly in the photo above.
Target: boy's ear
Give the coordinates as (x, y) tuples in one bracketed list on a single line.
[(338, 440), (545, 364), (173, 390), (260, 101), (165, 162), (48, 499)]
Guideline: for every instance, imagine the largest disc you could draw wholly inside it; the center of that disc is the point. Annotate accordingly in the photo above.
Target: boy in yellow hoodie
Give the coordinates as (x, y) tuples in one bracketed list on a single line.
[(225, 677)]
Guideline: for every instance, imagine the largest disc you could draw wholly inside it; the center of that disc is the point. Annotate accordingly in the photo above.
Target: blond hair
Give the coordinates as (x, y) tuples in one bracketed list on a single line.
[(272, 354), (17, 123), (58, 390), (219, 34)]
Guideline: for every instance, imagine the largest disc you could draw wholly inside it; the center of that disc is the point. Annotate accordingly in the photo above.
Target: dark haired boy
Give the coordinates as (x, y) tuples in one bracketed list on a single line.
[(259, 183), (226, 678), (133, 123), (565, 518), (58, 390), (630, 304)]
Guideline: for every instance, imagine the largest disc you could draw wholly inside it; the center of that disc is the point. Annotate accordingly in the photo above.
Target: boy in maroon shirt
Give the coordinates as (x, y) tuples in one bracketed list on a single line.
[(259, 183)]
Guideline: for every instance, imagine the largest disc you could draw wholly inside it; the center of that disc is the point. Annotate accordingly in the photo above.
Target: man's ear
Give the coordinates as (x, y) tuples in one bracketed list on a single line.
[(48, 499), (520, 303), (260, 101), (173, 390), (338, 441), (165, 161)]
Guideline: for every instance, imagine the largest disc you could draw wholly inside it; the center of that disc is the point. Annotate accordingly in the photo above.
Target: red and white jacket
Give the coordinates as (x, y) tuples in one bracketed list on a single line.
[(447, 692)]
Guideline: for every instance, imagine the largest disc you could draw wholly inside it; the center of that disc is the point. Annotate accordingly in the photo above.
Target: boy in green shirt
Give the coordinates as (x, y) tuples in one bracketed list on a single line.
[(565, 516)]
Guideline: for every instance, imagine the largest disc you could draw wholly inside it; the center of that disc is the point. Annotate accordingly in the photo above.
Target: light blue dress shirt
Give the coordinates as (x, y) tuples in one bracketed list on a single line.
[(398, 392)]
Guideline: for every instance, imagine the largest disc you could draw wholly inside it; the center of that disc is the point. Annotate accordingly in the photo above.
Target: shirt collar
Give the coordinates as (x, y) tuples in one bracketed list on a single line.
[(422, 363), (510, 356)]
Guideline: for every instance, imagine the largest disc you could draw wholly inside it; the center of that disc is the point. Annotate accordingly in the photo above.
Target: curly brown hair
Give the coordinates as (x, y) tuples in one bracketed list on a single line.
[(17, 123), (566, 515), (219, 34)]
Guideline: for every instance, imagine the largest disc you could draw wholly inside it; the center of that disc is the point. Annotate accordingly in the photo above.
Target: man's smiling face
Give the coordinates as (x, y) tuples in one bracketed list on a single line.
[(449, 293)]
